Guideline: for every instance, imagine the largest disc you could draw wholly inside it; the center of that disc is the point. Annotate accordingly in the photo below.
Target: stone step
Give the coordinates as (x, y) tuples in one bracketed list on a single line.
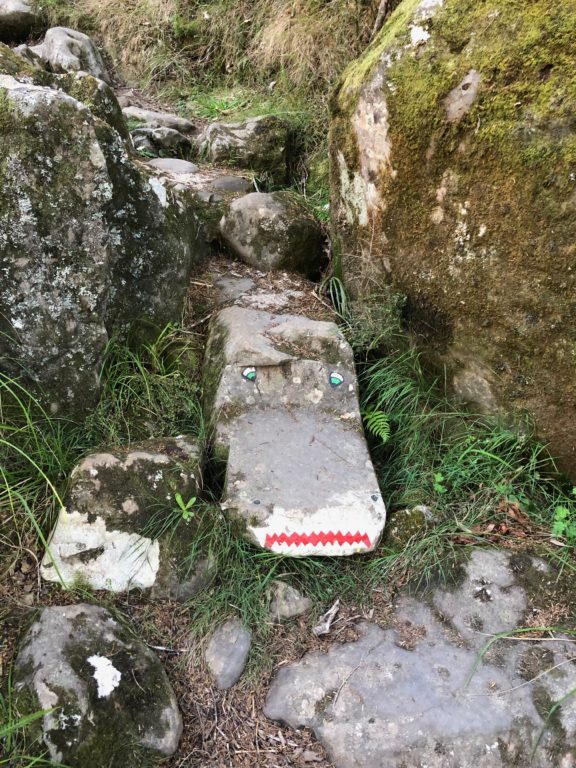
[(298, 473)]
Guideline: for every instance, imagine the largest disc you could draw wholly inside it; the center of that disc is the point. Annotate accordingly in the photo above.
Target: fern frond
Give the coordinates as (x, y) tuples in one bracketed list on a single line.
[(378, 424)]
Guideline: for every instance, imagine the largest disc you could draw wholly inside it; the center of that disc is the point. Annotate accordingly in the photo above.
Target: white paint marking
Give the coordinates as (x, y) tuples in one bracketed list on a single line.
[(106, 675)]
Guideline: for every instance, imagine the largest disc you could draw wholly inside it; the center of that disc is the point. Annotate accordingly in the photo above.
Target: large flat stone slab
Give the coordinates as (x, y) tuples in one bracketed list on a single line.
[(299, 475), (412, 696)]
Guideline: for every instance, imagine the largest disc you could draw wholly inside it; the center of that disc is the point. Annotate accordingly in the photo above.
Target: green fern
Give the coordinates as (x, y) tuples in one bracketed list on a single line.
[(378, 424)]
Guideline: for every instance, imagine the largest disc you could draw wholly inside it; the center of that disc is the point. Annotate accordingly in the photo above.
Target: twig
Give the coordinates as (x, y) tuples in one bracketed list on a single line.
[(527, 682)]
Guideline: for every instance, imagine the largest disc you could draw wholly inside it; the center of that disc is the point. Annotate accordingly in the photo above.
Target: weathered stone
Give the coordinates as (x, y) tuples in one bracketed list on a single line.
[(173, 165), (210, 197), (258, 143), (18, 20), (287, 602), (420, 694), (453, 179), (274, 231), (88, 244), (108, 701), (67, 50), (227, 652), (286, 386), (160, 140), (151, 119), (233, 184), (112, 532)]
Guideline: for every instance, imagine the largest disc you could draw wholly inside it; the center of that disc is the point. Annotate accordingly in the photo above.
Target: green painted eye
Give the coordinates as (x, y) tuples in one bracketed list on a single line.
[(336, 379), (249, 374)]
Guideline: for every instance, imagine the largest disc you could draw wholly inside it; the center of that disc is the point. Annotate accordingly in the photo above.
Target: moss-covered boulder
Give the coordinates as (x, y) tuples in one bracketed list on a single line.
[(107, 699), (453, 165), (122, 527), (89, 242)]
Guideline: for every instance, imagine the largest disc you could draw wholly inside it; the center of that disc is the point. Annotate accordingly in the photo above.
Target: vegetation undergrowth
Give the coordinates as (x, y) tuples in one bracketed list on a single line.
[(227, 60), (479, 478)]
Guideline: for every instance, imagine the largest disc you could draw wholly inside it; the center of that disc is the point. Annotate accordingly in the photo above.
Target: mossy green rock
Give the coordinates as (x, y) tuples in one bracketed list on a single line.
[(89, 242), (122, 527), (108, 701), (453, 170)]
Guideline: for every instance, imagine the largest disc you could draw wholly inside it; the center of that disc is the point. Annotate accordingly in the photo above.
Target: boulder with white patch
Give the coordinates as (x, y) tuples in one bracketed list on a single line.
[(298, 474), (122, 527), (107, 700)]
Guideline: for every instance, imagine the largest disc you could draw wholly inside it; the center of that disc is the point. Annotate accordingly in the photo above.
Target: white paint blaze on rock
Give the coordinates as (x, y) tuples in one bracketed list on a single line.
[(107, 559), (106, 675), (299, 473), (108, 701)]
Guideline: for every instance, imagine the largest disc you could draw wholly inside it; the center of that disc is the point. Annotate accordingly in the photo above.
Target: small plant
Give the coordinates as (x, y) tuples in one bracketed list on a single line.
[(564, 523), (439, 486), (184, 507), (377, 424)]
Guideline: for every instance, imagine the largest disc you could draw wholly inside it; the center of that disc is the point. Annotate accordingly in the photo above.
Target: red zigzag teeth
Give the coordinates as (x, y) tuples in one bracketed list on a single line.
[(296, 539)]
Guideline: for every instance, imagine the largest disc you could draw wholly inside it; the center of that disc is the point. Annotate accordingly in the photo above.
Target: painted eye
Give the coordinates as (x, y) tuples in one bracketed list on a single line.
[(336, 379), (249, 374)]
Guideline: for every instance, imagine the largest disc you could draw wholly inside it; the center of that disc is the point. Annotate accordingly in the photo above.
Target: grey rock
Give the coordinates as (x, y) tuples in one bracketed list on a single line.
[(233, 184), (173, 165), (274, 231), (399, 696), (18, 20), (211, 196), (287, 602), (227, 652), (109, 534), (67, 50), (151, 119), (258, 143), (156, 140), (231, 288), (286, 387), (88, 243), (109, 700)]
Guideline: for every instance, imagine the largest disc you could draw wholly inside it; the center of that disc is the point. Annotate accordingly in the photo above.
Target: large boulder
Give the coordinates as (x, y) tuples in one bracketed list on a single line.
[(452, 163), (18, 20), (107, 700), (259, 144), (274, 231), (428, 691), (89, 243), (122, 528), (67, 50)]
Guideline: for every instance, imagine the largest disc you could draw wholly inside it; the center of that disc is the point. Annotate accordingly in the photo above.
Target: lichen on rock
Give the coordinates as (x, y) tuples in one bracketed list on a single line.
[(88, 244)]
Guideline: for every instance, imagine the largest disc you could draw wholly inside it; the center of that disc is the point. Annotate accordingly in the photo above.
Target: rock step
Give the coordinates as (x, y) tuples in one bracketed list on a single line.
[(298, 471)]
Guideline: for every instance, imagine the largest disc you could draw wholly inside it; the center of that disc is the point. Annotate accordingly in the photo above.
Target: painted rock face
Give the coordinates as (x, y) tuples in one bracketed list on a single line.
[(299, 473)]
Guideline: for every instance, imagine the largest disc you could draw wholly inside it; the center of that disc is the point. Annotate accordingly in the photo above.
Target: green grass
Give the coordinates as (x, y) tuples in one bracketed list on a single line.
[(13, 740)]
